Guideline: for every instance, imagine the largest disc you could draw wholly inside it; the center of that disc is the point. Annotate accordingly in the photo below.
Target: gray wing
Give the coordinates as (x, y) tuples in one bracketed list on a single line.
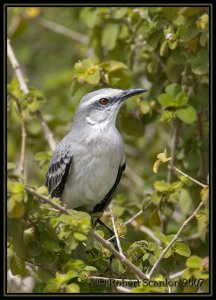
[(58, 171)]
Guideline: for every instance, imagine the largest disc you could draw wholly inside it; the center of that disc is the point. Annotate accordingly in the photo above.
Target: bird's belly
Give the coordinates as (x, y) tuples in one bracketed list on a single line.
[(90, 179)]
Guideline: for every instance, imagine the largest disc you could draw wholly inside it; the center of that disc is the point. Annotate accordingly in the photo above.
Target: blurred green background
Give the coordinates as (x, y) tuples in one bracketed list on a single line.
[(65, 52)]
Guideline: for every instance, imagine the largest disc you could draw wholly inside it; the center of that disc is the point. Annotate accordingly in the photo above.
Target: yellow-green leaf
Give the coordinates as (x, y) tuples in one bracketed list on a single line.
[(156, 165), (187, 115), (161, 186), (194, 262), (182, 249), (110, 35), (205, 194), (72, 288)]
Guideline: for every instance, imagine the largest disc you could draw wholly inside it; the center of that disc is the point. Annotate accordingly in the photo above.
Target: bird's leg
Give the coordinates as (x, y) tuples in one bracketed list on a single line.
[(112, 234)]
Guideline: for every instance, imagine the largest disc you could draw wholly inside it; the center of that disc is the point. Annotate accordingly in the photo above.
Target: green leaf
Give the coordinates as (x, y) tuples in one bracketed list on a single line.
[(87, 70), (162, 237), (163, 48), (170, 13), (176, 185), (110, 35), (16, 207), (163, 156), (156, 165), (11, 166), (187, 33), (18, 188), (45, 155), (200, 62), (168, 254), (17, 266), (181, 99), (113, 65), (182, 249), (173, 89), (120, 12), (34, 248), (90, 269), (72, 288), (161, 186), (202, 226), (93, 75), (90, 16), (180, 20), (185, 201), (79, 236), (166, 100), (52, 286), (167, 116), (187, 115), (118, 211), (33, 106), (166, 209), (194, 262), (51, 245), (205, 194)]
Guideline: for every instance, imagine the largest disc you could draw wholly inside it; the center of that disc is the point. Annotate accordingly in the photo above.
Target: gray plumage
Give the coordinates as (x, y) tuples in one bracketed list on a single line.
[(88, 162)]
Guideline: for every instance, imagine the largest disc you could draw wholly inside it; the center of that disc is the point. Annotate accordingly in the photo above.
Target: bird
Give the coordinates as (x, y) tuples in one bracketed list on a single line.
[(88, 162)]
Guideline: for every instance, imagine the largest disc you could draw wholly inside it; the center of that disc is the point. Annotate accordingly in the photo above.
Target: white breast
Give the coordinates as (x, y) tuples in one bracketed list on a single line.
[(94, 170)]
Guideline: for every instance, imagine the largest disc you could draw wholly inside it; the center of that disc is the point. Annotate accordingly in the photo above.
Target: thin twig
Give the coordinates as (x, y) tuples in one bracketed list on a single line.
[(202, 170), (105, 243), (187, 176), (134, 217), (16, 68), (175, 140), (47, 133), (116, 232), (119, 256), (24, 88), (23, 141), (47, 200), (177, 274), (76, 36), (147, 231), (174, 239), (122, 289)]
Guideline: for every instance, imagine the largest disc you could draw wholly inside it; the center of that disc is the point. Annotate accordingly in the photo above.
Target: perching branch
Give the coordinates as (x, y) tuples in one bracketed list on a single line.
[(116, 232), (105, 243), (187, 176), (175, 238), (24, 88)]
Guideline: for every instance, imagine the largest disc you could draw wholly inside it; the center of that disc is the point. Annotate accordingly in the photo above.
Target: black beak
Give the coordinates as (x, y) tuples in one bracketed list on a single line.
[(129, 93)]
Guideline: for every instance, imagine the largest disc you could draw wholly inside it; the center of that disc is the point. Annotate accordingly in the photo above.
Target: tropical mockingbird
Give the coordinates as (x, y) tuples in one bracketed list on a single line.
[(87, 164)]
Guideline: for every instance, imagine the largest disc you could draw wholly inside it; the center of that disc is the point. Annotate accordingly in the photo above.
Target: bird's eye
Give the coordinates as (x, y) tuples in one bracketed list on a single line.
[(103, 101)]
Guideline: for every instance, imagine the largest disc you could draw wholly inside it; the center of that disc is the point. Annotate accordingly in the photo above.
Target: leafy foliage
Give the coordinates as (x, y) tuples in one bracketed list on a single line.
[(162, 49)]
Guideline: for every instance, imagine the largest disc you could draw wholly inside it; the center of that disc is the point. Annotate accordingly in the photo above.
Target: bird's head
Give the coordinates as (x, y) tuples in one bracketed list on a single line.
[(102, 106)]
